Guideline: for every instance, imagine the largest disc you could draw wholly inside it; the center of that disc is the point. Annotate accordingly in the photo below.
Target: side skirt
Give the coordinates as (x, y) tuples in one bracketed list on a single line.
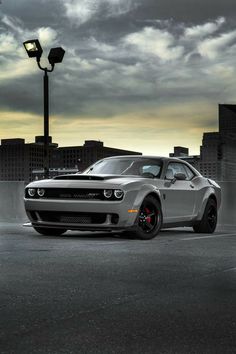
[(178, 224)]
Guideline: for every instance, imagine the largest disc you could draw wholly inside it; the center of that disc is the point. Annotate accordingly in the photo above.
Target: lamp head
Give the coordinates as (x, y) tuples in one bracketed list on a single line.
[(56, 55), (33, 48)]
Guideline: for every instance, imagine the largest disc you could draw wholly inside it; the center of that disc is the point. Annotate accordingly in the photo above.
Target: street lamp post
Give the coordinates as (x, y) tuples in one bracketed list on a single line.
[(34, 50)]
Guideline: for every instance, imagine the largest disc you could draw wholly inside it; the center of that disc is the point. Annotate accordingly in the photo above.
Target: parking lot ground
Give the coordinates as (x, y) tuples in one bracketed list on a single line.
[(103, 293)]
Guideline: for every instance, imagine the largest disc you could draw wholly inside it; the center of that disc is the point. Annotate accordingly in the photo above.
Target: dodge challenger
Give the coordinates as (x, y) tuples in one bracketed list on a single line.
[(138, 195)]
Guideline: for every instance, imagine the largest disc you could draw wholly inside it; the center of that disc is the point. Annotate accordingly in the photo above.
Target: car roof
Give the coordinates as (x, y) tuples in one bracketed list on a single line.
[(164, 158)]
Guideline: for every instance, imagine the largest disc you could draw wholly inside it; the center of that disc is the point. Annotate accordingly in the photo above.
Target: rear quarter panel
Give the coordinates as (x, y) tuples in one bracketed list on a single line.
[(205, 189)]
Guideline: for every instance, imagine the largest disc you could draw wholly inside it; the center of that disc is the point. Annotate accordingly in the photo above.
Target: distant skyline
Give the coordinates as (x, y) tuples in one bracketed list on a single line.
[(143, 75)]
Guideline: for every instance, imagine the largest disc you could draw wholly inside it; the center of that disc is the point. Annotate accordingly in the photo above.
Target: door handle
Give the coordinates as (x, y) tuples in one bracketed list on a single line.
[(191, 185)]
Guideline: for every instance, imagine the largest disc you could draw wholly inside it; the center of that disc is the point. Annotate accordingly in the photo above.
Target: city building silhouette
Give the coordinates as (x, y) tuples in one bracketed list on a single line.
[(217, 159), (22, 161)]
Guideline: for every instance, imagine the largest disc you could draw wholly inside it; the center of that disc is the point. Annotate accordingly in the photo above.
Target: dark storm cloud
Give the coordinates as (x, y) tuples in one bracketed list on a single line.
[(120, 55), (34, 13), (43, 12), (26, 97), (193, 11)]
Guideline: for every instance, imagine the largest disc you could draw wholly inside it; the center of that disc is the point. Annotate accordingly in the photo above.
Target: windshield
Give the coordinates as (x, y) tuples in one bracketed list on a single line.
[(144, 167)]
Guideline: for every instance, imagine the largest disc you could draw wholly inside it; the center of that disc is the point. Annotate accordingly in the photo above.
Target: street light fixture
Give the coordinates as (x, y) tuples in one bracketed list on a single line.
[(56, 55), (34, 50)]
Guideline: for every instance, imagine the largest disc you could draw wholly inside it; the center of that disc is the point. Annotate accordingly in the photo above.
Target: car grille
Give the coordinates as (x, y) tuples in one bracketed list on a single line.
[(73, 217), (73, 193)]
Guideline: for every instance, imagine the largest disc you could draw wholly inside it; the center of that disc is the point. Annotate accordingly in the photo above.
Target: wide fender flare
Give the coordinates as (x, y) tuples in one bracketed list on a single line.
[(144, 191), (208, 192)]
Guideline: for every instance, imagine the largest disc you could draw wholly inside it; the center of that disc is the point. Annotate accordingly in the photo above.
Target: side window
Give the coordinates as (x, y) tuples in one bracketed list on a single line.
[(153, 169), (178, 167)]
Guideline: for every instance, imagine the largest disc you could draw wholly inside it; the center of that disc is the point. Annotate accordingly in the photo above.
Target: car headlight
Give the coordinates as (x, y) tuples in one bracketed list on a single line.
[(107, 193), (41, 192), (118, 193), (31, 192)]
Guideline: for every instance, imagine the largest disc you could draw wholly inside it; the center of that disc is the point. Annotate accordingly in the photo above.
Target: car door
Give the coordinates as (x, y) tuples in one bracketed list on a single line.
[(179, 195)]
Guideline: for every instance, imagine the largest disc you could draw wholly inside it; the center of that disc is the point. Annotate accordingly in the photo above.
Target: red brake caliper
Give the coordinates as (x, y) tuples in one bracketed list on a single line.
[(148, 218)]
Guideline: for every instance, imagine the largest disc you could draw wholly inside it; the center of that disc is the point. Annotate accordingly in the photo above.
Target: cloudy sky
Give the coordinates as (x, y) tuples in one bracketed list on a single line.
[(143, 75)]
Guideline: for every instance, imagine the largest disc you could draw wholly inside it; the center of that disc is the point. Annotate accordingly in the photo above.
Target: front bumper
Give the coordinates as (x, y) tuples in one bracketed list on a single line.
[(81, 215)]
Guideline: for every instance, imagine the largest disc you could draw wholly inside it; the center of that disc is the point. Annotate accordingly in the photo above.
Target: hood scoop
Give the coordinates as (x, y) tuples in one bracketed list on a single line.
[(87, 177), (80, 177)]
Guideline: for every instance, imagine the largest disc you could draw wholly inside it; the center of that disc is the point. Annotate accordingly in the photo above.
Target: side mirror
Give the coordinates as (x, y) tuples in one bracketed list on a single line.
[(179, 176)]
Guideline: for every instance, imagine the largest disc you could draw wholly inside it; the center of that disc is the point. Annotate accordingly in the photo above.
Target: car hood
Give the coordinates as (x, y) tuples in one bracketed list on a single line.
[(89, 181)]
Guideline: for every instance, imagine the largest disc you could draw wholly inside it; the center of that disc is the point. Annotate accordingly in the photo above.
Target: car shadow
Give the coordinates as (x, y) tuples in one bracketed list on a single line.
[(113, 236)]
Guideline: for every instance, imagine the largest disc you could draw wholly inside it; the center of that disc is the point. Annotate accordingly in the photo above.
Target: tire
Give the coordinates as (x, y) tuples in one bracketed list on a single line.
[(149, 220), (49, 231), (209, 219)]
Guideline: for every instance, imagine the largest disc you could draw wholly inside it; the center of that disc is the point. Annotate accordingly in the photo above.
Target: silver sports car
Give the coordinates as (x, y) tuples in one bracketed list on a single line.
[(136, 194)]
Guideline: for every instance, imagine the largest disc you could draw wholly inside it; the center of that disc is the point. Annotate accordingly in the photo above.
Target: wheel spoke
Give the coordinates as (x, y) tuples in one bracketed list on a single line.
[(148, 225), (150, 215), (147, 219)]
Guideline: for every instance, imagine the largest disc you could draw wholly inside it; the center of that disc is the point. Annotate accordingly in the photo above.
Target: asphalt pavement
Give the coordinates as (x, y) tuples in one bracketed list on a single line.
[(103, 293)]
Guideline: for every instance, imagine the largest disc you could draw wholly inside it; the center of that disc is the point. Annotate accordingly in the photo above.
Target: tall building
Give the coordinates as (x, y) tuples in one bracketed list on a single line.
[(210, 162), (227, 120), (20, 161), (218, 151), (227, 144)]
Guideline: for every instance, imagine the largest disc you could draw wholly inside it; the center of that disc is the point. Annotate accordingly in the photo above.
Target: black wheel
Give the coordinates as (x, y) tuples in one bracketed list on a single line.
[(209, 219), (149, 220), (49, 232)]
